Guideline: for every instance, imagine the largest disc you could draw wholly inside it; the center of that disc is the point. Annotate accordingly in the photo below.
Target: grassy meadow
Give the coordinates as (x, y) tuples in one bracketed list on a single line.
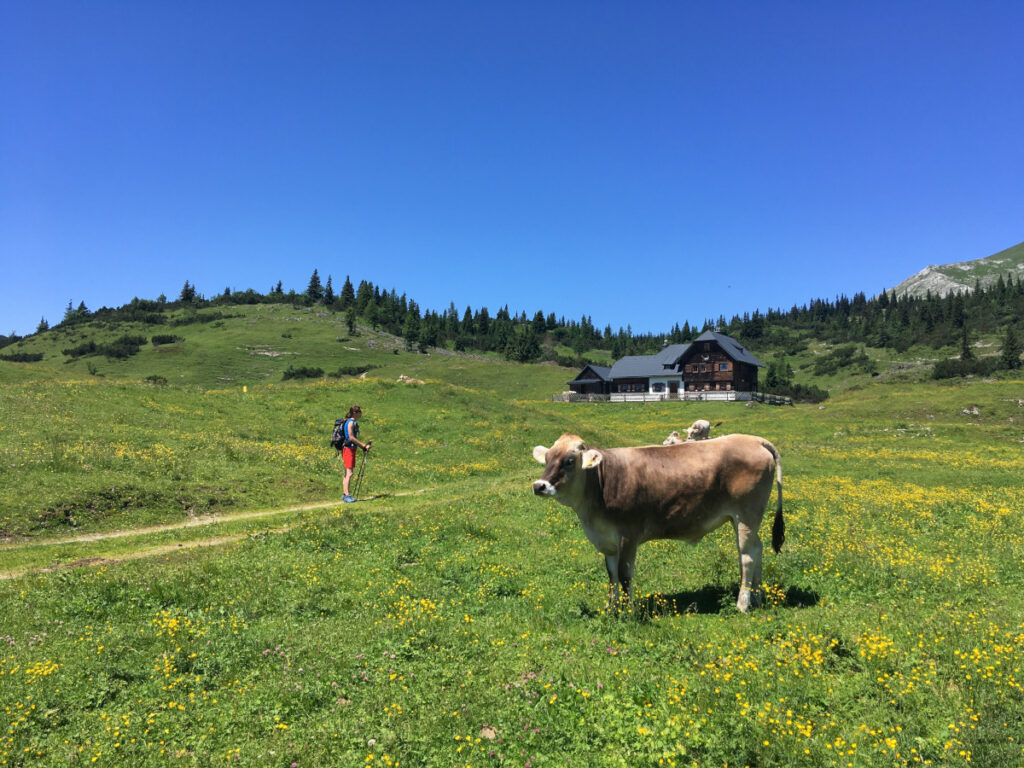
[(246, 618)]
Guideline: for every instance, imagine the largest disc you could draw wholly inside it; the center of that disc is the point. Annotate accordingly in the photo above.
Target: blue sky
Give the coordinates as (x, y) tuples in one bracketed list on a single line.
[(644, 163)]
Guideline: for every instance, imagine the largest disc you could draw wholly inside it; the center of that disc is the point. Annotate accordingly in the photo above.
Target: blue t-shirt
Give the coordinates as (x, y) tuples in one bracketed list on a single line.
[(350, 430)]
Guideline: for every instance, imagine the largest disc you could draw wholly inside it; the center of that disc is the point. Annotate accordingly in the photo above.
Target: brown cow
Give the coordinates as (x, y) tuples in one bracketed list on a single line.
[(626, 496)]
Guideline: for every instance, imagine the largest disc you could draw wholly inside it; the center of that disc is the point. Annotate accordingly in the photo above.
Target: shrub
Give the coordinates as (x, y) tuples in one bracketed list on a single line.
[(165, 338), (159, 381), (22, 357), (123, 346), (302, 373), (120, 348), (191, 318), (353, 370), (954, 367), (802, 393), (87, 348), (844, 357)]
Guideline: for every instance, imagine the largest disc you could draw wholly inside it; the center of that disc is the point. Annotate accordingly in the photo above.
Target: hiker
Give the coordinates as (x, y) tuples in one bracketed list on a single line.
[(350, 441)]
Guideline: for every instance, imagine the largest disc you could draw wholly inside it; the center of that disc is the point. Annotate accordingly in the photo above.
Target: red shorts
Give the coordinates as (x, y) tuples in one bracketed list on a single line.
[(348, 455)]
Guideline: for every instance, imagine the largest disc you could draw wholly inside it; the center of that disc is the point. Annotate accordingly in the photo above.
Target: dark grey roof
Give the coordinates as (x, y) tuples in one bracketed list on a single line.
[(731, 347), (600, 371), (670, 354), (638, 367)]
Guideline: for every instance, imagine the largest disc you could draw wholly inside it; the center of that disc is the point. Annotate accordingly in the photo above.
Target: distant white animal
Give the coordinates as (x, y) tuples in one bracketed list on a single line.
[(699, 430)]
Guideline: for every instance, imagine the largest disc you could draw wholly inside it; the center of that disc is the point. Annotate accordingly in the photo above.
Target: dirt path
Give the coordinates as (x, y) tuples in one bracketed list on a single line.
[(163, 549), (192, 523)]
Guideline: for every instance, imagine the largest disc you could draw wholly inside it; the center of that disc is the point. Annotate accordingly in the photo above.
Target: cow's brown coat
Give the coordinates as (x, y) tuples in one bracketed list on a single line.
[(626, 496)]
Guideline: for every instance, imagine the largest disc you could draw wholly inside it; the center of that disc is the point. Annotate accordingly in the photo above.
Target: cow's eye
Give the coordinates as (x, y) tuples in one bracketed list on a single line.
[(567, 462)]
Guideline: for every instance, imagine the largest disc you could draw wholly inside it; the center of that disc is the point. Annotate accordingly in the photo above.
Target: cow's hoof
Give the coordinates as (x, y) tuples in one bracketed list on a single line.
[(748, 599)]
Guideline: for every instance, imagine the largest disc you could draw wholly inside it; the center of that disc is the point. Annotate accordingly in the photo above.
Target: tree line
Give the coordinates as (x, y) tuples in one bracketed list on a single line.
[(886, 321)]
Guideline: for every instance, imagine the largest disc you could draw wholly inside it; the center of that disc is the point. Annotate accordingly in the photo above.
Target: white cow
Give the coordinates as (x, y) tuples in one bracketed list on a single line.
[(699, 430)]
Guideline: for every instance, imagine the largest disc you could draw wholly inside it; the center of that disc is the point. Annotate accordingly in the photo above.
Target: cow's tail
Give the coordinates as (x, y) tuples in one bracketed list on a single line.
[(779, 526)]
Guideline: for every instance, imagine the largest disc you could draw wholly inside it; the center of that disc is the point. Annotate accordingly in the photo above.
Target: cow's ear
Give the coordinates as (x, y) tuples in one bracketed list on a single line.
[(591, 459), (540, 454)]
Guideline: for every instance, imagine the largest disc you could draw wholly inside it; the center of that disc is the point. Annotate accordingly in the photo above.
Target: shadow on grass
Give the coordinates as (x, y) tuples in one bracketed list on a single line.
[(714, 599), (706, 600)]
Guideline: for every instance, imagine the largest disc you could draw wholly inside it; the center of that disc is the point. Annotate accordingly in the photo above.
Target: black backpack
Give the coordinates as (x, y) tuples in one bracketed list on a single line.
[(338, 435)]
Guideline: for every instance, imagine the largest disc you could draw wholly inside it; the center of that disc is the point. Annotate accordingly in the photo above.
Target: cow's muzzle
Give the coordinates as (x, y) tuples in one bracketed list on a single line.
[(543, 488)]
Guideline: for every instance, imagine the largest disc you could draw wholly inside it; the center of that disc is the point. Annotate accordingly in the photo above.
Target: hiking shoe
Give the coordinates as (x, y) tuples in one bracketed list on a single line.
[(347, 499)]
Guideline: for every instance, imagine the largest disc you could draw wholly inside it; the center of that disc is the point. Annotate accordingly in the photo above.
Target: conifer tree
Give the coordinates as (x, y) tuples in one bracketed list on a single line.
[(328, 292), (538, 324), (188, 293), (1010, 356), (347, 295), (411, 325), (43, 326), (314, 291), (366, 296), (966, 353)]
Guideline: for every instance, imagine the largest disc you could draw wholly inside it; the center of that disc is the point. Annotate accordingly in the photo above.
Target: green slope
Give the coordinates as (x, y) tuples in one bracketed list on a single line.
[(253, 345)]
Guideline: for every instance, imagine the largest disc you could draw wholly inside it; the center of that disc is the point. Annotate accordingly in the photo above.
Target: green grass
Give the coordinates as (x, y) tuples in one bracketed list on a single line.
[(989, 268), (464, 624)]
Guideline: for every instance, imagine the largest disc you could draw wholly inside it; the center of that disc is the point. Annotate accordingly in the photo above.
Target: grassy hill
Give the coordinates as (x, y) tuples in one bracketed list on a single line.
[(456, 619), (252, 345), (235, 346)]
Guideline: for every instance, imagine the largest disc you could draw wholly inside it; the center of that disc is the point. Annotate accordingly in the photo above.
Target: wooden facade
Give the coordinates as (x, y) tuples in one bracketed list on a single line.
[(707, 366)]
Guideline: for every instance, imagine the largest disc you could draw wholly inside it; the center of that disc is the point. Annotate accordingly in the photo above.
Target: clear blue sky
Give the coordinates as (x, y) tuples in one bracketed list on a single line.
[(645, 163)]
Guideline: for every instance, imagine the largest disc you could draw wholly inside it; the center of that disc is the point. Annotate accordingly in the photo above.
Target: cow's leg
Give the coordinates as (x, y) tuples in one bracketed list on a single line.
[(627, 556), (611, 564), (620, 573), (748, 543)]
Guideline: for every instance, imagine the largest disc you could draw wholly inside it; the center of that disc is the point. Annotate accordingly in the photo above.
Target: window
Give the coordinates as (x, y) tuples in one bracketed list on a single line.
[(723, 366)]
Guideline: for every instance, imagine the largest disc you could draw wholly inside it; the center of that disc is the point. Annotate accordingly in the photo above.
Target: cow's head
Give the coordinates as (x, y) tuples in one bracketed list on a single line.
[(565, 464)]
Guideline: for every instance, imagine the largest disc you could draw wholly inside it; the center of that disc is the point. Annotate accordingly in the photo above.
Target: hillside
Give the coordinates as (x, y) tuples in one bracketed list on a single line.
[(241, 345), (454, 618), (244, 339), (964, 275)]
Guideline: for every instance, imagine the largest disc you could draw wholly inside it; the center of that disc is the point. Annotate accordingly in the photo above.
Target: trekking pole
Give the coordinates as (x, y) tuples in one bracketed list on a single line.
[(359, 477)]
